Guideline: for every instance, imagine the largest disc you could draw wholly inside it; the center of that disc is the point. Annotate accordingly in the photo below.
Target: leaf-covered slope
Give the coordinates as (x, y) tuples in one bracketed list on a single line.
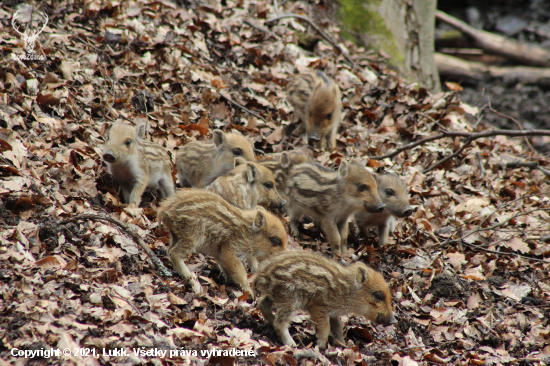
[(187, 70)]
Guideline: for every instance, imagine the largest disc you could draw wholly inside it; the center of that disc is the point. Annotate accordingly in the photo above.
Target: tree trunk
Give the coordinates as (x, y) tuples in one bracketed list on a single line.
[(401, 29)]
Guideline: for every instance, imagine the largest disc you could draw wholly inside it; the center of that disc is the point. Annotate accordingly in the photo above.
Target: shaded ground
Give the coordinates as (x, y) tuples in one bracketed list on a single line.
[(526, 21)]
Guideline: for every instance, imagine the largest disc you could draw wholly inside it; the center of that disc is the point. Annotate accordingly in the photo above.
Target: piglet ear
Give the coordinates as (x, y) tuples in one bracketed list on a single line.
[(239, 161), (361, 276), (140, 131), (251, 173), (344, 169), (285, 159), (219, 138), (259, 221)]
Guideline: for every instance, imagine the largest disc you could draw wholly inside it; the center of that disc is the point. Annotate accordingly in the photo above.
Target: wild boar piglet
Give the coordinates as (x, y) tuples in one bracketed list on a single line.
[(302, 280), (203, 222), (199, 163), (317, 103), (395, 197), (331, 198), (248, 185), (137, 165), (280, 165)]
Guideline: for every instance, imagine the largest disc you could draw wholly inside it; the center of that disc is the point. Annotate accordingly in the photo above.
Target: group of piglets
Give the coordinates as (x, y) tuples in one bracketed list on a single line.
[(222, 211)]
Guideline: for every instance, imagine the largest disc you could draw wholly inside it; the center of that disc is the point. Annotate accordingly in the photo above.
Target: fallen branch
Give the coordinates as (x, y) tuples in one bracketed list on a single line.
[(525, 164), (156, 261), (460, 69), (520, 52), (262, 29), (480, 165), (517, 124), (466, 143), (467, 135), (127, 301), (243, 107), (504, 253), (325, 36)]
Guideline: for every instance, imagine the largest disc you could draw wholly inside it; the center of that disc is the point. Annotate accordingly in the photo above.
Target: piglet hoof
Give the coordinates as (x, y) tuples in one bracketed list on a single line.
[(322, 344), (340, 343)]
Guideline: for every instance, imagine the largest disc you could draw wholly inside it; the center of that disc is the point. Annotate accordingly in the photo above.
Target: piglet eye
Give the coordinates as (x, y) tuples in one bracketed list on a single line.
[(128, 142), (379, 295), (390, 192), (238, 152), (329, 116), (362, 187), (269, 185), (276, 241)]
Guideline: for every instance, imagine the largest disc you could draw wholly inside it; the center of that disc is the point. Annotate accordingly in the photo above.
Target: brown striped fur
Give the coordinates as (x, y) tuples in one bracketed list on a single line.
[(248, 185), (204, 222), (331, 198), (394, 195), (137, 165), (317, 103), (300, 280), (280, 165), (199, 163)]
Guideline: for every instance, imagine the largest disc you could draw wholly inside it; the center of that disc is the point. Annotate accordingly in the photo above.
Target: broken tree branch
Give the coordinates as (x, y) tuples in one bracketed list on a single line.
[(156, 261), (325, 36), (466, 143), (525, 164), (512, 49), (467, 135), (504, 253), (480, 165), (459, 69), (517, 124), (242, 107), (263, 29)]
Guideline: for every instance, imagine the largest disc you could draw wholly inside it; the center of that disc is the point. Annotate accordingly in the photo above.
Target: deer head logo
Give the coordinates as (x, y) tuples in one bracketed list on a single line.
[(29, 35)]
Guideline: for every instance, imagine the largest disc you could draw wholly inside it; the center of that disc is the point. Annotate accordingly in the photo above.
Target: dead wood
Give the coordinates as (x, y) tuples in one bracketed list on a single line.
[(325, 36), (520, 52), (466, 135), (525, 164), (156, 261), (468, 138), (457, 68), (262, 28)]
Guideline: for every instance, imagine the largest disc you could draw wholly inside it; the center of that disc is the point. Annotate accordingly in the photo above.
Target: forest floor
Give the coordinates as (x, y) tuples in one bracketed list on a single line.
[(515, 103), (469, 271)]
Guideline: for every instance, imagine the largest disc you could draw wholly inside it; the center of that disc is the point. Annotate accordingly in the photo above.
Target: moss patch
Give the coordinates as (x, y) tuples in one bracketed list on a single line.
[(358, 17)]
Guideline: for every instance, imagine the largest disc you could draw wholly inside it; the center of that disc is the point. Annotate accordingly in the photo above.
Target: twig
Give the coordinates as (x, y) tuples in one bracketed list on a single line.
[(263, 29), (156, 261), (466, 143), (321, 33), (128, 301), (517, 164), (525, 164), (480, 165), (243, 108), (517, 124), (505, 253), (469, 136), (544, 171)]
